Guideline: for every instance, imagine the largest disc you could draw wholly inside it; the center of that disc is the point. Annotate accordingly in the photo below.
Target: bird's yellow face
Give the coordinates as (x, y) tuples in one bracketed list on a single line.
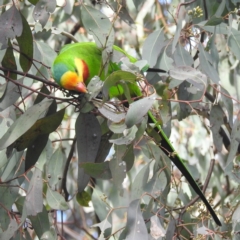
[(75, 80)]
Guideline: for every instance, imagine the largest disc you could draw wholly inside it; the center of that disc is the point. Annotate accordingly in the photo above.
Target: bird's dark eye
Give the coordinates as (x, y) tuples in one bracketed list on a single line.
[(76, 71)]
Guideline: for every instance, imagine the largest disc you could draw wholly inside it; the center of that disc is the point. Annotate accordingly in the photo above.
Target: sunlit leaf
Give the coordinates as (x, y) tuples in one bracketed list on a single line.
[(10, 25), (137, 110), (55, 200), (42, 10), (98, 25), (34, 198), (152, 47)]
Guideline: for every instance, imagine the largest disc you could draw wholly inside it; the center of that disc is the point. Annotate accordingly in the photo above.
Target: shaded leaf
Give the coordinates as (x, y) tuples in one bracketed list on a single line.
[(213, 21), (41, 127), (234, 43), (216, 120), (9, 62), (182, 57), (206, 65), (228, 104), (97, 170), (104, 147), (234, 142), (23, 123), (25, 42), (83, 198), (11, 94), (88, 133)]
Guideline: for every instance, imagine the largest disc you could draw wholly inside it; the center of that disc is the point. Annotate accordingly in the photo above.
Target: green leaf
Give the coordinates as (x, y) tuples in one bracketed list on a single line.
[(9, 62), (83, 198), (25, 42), (112, 85), (97, 170), (213, 21), (23, 123), (41, 127)]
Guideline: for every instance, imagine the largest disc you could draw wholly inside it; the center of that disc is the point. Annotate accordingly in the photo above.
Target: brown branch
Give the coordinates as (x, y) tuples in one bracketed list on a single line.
[(64, 179)]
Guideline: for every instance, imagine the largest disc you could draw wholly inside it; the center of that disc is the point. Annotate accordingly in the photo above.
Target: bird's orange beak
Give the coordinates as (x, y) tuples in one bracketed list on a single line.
[(81, 87)]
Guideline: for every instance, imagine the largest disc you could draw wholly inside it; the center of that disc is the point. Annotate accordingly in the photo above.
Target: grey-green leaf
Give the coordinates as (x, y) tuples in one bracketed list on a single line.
[(135, 227), (34, 198), (152, 46), (137, 110), (55, 200), (10, 25)]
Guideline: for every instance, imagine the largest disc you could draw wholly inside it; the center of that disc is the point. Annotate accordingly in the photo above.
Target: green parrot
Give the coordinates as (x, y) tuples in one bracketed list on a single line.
[(78, 63)]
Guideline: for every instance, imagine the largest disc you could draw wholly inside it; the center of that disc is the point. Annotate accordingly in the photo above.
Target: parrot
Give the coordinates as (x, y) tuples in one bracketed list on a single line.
[(78, 63)]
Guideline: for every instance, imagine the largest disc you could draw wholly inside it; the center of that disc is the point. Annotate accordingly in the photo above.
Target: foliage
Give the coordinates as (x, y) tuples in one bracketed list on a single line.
[(84, 166)]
